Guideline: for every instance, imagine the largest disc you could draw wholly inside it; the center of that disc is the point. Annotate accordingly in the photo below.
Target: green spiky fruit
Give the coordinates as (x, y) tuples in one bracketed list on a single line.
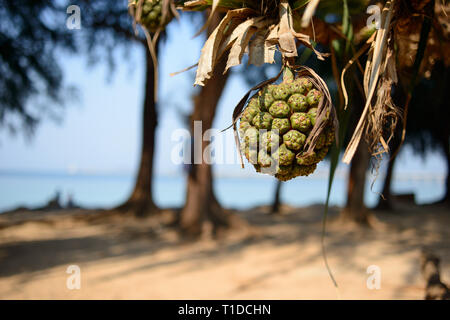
[(298, 102), (301, 122), (252, 155), (280, 109), (275, 127), (283, 156), (250, 112), (265, 98), (243, 127), (312, 114), (294, 140), (281, 125), (306, 159), (263, 120), (251, 138), (254, 104), (281, 92), (300, 85), (270, 140), (314, 97), (151, 14), (321, 141), (264, 159)]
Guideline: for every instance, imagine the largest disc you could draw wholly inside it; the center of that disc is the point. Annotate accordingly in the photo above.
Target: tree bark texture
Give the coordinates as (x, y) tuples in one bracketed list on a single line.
[(141, 201)]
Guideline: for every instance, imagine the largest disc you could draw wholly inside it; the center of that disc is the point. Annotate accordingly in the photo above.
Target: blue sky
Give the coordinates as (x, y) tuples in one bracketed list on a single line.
[(100, 133)]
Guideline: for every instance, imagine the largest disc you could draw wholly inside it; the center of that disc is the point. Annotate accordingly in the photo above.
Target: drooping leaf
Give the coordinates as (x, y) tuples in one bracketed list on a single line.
[(371, 78), (244, 32), (210, 49)]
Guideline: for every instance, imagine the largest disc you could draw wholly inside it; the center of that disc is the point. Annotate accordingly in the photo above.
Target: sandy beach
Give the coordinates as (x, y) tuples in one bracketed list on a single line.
[(278, 258)]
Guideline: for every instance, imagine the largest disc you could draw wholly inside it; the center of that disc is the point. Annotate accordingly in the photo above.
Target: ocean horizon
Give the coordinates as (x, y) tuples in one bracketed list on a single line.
[(107, 190)]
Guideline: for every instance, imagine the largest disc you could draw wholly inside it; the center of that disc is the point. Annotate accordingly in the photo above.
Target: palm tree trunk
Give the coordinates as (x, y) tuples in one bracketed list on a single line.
[(201, 202), (355, 210), (276, 201), (141, 200), (386, 202)]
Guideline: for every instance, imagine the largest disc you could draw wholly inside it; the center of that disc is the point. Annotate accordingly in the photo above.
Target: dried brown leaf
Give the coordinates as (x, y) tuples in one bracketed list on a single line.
[(195, 3), (371, 76), (209, 53), (239, 46), (257, 49), (239, 32), (306, 41), (214, 5), (269, 53), (286, 39)]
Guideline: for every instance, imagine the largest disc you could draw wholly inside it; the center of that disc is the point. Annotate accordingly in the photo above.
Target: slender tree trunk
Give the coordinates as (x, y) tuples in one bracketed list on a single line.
[(446, 148), (386, 203), (141, 200), (201, 203), (355, 209), (276, 201)]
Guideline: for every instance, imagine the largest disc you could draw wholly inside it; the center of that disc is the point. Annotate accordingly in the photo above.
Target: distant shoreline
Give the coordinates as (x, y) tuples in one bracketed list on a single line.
[(321, 173)]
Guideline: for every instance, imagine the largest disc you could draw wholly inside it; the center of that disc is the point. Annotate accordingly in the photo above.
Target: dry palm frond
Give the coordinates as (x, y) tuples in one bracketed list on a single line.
[(214, 5), (259, 30), (405, 27), (378, 66), (383, 115)]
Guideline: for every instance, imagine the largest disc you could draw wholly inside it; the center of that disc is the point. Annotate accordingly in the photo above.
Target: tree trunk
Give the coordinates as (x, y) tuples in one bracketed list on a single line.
[(386, 201), (201, 203), (355, 210), (445, 143), (141, 200), (276, 201)]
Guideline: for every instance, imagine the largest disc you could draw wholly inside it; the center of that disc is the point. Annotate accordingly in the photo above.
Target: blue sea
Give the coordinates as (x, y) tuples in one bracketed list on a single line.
[(106, 191)]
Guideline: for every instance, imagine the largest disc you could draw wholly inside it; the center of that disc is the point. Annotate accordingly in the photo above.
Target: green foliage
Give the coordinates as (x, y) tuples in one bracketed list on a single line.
[(28, 57), (32, 35)]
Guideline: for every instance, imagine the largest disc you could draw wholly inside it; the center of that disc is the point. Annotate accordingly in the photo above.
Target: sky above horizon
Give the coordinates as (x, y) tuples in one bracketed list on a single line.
[(101, 131)]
